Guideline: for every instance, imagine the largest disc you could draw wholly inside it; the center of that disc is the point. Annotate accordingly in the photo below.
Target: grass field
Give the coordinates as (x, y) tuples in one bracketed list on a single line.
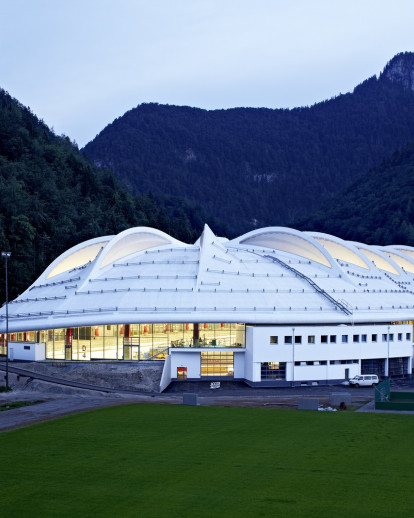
[(159, 461)]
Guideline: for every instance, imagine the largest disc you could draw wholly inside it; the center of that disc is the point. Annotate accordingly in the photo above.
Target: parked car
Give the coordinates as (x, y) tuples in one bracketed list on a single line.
[(364, 380)]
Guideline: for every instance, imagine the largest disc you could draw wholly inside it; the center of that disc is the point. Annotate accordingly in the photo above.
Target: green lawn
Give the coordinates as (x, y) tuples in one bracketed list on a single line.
[(159, 461)]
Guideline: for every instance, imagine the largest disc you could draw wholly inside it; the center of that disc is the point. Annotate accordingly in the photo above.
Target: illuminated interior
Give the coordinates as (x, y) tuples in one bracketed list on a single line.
[(290, 243), (217, 363), (132, 341)]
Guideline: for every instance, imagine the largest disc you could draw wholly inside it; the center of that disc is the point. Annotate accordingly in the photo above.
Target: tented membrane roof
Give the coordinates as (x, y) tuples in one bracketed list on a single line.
[(270, 276)]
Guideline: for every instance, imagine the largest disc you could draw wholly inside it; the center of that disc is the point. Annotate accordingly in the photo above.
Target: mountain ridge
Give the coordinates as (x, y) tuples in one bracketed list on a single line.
[(261, 166)]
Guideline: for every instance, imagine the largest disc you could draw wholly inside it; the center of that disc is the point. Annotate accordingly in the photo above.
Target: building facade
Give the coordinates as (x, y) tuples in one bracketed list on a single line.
[(275, 306)]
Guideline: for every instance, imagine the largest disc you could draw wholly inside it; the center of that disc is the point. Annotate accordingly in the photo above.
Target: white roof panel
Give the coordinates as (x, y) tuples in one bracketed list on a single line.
[(273, 276)]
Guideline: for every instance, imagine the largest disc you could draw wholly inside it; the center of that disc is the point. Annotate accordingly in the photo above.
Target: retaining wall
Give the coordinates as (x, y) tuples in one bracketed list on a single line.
[(144, 376)]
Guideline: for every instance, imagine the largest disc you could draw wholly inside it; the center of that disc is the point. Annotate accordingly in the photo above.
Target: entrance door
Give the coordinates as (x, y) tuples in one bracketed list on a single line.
[(68, 351), (131, 348), (181, 373), (131, 352), (346, 374)]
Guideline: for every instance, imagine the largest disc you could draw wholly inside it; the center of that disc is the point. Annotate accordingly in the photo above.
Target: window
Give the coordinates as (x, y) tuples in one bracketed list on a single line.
[(342, 362), (363, 338), (374, 338), (288, 339), (308, 363), (408, 336), (384, 337), (356, 338), (311, 339), (273, 370), (344, 339), (400, 337), (27, 347), (391, 336), (332, 339), (298, 339), (324, 339), (273, 339)]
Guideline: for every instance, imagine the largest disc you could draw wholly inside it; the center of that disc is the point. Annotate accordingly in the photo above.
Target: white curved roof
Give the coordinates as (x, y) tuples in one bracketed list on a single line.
[(404, 258), (77, 256), (340, 249), (286, 240), (270, 276)]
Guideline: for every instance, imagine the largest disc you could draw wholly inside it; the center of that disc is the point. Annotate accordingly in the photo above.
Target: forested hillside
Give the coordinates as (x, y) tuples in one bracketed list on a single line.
[(377, 209), (258, 167), (52, 198)]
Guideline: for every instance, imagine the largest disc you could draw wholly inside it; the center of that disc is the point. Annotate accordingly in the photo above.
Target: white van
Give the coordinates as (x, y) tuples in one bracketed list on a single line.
[(364, 380)]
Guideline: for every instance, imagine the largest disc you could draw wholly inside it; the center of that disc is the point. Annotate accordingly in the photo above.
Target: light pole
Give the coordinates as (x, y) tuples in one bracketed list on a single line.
[(6, 255), (293, 356), (388, 353)]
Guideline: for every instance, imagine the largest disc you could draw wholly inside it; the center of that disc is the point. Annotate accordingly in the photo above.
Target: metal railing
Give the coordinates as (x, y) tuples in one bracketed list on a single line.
[(318, 289)]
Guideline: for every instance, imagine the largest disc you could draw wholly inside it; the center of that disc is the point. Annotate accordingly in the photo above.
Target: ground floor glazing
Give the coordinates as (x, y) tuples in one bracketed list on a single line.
[(130, 341)]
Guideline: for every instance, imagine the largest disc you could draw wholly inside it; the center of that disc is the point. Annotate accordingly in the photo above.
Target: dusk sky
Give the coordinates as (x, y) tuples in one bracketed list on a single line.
[(79, 64)]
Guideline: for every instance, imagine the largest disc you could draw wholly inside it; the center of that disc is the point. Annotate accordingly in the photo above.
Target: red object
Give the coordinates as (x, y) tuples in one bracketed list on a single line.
[(145, 329), (167, 327), (128, 330), (222, 325), (27, 336), (97, 331), (13, 337), (69, 336), (121, 331), (205, 326)]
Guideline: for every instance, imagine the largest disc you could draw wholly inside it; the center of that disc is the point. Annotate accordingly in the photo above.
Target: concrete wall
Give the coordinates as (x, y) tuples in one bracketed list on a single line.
[(239, 364), (188, 358), (166, 374)]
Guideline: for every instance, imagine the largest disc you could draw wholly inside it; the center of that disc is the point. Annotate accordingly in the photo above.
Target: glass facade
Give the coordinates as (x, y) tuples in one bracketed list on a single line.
[(132, 341), (273, 370), (373, 366), (398, 367)]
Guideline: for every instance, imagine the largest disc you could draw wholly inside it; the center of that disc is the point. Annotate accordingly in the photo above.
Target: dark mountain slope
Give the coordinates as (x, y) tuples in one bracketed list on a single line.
[(378, 208), (51, 198), (256, 167)]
